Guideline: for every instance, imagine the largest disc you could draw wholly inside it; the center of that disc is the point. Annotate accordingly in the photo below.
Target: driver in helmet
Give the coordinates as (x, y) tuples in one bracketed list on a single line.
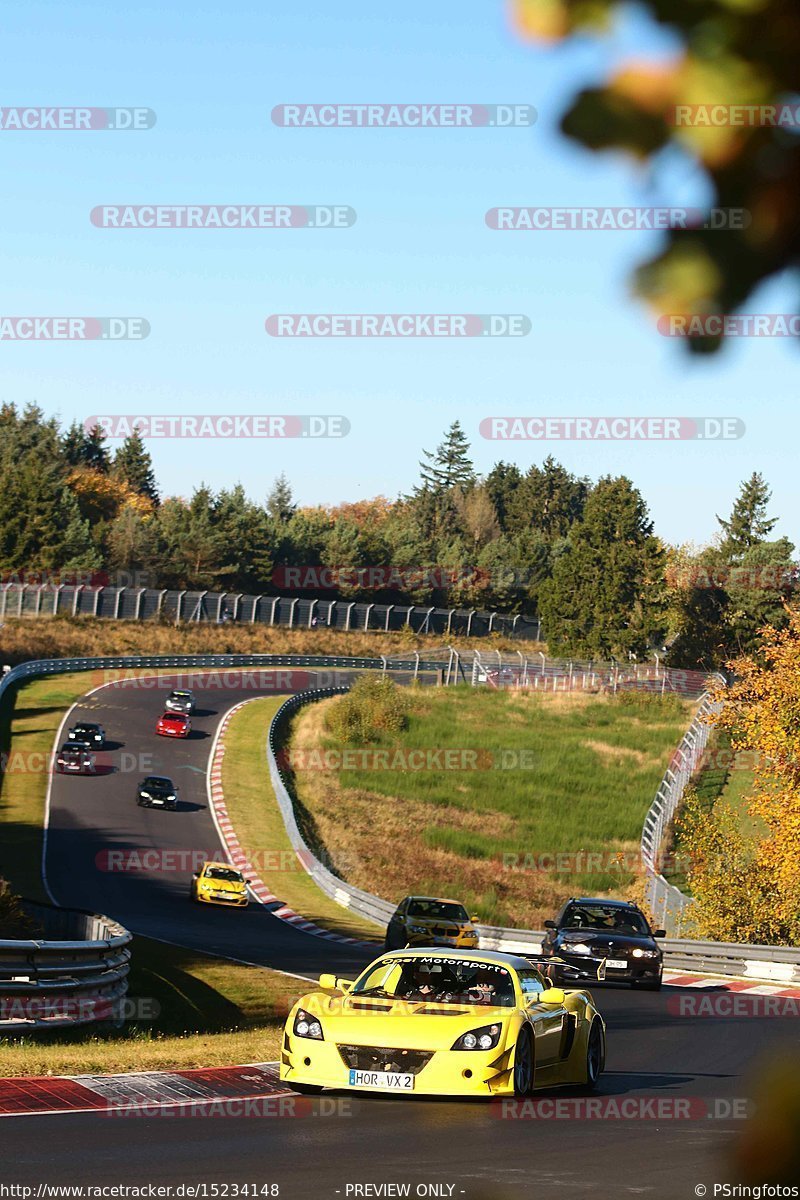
[(424, 983)]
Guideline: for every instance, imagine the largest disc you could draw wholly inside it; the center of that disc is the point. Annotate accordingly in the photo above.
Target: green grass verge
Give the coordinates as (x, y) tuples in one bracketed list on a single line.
[(253, 809), (564, 775), (725, 781)]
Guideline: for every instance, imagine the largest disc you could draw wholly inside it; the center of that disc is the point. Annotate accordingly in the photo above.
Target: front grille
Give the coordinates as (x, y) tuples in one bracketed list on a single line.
[(382, 1058), (445, 930)]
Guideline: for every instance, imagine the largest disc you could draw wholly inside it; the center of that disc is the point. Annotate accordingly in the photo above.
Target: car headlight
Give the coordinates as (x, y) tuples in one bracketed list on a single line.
[(645, 953), (306, 1026), (576, 948), (485, 1038), (418, 929)]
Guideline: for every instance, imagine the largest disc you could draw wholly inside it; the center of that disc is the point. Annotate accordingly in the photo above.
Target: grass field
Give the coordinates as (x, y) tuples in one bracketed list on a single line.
[(729, 785), (259, 826), (510, 841)]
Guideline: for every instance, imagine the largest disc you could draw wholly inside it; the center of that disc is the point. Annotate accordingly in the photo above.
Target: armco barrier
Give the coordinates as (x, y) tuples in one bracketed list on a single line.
[(75, 974), (757, 962)]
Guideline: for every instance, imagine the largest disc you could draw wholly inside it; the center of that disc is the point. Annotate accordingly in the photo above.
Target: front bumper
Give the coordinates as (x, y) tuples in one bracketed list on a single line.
[(593, 970), (234, 901), (178, 733), (484, 1073)]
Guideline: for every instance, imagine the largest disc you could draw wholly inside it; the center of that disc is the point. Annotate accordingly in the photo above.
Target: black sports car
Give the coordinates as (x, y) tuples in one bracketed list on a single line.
[(86, 731), (605, 939), (157, 791), (75, 758)]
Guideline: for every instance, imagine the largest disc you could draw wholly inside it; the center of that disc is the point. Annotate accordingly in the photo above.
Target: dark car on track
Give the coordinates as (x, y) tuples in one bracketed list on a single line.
[(87, 731), (157, 791), (181, 701), (605, 939), (75, 758)]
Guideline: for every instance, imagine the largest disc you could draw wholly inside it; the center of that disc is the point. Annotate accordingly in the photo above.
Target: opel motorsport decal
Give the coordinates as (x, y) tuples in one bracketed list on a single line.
[(448, 962)]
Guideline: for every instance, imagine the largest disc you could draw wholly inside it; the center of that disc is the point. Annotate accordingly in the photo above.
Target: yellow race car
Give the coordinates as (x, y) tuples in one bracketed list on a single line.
[(217, 883), (443, 1023), (430, 921)]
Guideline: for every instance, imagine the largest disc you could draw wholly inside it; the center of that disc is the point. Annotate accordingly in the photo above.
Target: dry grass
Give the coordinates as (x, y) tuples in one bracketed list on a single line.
[(68, 637), (485, 835)]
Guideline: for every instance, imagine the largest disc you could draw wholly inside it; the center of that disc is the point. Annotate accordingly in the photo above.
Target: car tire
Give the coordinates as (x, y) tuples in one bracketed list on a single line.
[(595, 1056), (523, 1072)]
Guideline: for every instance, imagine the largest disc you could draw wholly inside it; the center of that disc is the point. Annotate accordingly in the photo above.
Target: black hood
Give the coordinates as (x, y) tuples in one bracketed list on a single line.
[(601, 941)]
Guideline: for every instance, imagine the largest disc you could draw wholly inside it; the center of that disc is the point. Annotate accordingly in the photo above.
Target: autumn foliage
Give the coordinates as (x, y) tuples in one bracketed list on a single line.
[(748, 887)]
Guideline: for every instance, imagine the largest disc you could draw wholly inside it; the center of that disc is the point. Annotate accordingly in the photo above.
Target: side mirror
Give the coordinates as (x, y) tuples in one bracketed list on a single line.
[(660, 933), (552, 995), (474, 919), (328, 982), (550, 925)]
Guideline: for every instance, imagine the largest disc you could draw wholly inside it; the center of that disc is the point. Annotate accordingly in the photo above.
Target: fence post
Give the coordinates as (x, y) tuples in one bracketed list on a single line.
[(139, 603), (116, 602), (292, 607), (366, 616), (57, 597), (350, 608), (178, 610), (97, 599), (416, 665), (469, 620), (389, 608), (272, 611)]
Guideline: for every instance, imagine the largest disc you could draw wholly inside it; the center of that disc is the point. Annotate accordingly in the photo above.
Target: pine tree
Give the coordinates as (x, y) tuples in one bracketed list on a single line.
[(280, 503), (604, 597), (749, 524), (450, 466), (133, 464), (95, 451), (73, 444)]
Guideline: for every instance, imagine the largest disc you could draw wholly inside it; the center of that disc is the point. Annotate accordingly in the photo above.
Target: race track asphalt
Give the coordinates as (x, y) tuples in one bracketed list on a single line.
[(480, 1149)]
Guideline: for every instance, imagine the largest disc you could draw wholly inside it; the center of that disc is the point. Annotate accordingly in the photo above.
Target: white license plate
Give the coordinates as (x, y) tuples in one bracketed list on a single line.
[(390, 1081), (156, 800), (618, 964)]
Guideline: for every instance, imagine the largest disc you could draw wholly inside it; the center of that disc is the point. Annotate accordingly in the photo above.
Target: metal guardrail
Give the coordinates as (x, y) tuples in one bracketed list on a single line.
[(75, 974), (672, 908), (757, 962), (292, 612)]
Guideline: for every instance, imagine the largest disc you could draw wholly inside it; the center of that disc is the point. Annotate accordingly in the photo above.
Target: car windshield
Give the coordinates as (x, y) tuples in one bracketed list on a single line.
[(438, 980), (179, 717), (437, 910), (606, 918), (225, 873), (181, 695), (155, 781)]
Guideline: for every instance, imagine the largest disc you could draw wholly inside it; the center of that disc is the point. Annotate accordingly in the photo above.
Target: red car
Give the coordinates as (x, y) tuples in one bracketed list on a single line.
[(174, 724)]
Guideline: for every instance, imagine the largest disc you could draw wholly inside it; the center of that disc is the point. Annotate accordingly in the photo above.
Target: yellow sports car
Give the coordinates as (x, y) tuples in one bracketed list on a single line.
[(217, 883), (430, 921), (444, 1023)]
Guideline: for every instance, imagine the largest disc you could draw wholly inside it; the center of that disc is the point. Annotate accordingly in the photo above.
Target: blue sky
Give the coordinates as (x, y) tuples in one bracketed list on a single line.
[(420, 244)]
